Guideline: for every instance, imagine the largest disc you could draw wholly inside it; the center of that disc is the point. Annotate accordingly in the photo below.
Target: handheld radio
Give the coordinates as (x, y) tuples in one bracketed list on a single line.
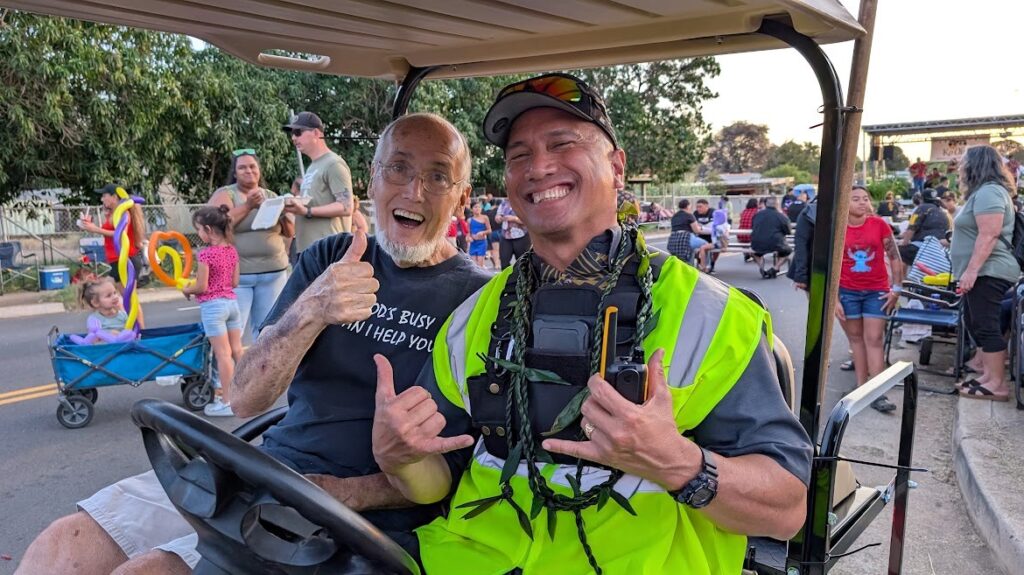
[(627, 376)]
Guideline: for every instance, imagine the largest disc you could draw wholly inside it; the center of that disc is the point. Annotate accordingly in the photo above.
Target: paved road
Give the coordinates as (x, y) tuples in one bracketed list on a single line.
[(46, 468)]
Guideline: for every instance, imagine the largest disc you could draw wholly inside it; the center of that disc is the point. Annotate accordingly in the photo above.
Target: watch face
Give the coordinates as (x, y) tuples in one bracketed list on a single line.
[(701, 497)]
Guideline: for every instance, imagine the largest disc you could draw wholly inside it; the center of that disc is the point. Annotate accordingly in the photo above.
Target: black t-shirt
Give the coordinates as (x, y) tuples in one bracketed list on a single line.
[(331, 399), (929, 220), (705, 220), (794, 209), (682, 221), (768, 232)]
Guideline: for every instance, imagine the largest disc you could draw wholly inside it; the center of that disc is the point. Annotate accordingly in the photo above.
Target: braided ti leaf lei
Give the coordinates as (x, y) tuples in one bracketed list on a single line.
[(526, 445)]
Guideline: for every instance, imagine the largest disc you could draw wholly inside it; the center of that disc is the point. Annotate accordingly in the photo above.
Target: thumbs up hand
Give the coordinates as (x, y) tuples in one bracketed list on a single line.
[(406, 426), (346, 291)]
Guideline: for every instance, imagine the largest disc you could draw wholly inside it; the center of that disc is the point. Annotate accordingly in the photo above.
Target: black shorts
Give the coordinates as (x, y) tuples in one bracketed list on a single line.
[(781, 252), (136, 261)]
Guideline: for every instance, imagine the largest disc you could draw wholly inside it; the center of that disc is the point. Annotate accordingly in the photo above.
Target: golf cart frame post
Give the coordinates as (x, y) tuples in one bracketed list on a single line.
[(811, 551)]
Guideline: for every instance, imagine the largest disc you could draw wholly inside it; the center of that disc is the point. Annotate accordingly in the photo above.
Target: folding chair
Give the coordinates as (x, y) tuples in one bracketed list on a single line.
[(943, 308), (12, 264)]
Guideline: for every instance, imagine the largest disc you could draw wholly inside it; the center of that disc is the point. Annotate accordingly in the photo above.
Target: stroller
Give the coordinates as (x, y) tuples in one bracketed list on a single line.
[(929, 282)]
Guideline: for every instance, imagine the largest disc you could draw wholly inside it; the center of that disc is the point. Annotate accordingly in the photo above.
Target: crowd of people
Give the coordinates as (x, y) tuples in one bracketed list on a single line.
[(425, 363), (434, 325)]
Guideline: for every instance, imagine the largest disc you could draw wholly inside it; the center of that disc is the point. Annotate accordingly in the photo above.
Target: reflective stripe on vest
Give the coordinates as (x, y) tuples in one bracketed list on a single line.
[(722, 330)]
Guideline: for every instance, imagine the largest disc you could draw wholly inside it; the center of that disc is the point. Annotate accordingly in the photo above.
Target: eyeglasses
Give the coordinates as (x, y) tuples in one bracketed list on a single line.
[(244, 152), (297, 132), (434, 181), (556, 86)]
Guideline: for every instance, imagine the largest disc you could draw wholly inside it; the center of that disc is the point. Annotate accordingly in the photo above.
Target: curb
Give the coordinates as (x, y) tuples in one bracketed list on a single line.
[(29, 310), (982, 487)]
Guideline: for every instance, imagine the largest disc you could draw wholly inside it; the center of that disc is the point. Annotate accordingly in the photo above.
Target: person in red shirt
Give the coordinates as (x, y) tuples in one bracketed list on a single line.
[(136, 230), (865, 298), (917, 171), (746, 222)]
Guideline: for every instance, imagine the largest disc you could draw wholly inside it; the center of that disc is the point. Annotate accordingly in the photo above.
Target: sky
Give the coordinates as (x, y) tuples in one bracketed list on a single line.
[(930, 60)]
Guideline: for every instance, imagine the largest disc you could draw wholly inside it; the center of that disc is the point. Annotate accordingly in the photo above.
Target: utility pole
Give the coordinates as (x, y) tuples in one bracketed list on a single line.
[(298, 154), (855, 98)]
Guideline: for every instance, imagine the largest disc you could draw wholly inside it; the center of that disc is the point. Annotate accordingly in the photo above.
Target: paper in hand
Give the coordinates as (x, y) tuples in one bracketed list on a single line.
[(269, 213)]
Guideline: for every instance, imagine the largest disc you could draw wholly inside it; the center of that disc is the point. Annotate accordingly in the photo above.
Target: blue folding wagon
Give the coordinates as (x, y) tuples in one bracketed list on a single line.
[(80, 370)]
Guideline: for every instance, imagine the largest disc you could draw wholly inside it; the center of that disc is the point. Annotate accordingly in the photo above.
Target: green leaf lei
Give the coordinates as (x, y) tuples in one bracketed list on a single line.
[(526, 445)]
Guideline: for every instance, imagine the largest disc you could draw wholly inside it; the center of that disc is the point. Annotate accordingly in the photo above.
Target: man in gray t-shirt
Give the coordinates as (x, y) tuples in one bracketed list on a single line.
[(326, 185)]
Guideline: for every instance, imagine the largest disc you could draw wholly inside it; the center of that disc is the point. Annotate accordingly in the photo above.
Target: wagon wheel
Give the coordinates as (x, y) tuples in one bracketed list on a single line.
[(196, 393), (77, 413), (925, 357), (90, 393)]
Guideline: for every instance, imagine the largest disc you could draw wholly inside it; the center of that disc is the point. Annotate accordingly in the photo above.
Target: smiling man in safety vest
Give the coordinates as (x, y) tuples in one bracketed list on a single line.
[(580, 461)]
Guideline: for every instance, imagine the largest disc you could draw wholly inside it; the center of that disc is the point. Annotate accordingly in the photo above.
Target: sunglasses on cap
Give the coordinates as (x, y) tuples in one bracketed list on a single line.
[(559, 87), (563, 91), (244, 152)]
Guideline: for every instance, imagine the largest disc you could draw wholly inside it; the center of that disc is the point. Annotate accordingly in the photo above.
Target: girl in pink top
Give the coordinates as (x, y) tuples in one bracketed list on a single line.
[(215, 279)]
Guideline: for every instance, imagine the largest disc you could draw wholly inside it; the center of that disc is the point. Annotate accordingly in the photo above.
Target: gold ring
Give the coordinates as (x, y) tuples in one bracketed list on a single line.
[(588, 429)]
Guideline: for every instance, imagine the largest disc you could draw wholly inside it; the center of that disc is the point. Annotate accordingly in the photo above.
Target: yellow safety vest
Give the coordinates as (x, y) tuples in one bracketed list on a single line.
[(702, 362)]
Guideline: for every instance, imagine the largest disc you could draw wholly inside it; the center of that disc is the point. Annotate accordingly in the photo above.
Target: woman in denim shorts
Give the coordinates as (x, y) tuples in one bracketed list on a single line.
[(865, 295)]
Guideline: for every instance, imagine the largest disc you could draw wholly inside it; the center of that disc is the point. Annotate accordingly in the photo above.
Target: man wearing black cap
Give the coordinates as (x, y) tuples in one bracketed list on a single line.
[(691, 457), (928, 220), (326, 186)]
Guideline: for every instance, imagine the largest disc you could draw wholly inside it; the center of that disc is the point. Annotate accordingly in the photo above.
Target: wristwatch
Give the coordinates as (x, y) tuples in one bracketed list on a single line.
[(309, 212), (701, 490)]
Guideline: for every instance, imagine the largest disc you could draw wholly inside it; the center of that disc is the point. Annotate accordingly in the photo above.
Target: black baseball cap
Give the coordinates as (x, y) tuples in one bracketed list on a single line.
[(560, 91), (107, 189), (305, 121), (931, 195)]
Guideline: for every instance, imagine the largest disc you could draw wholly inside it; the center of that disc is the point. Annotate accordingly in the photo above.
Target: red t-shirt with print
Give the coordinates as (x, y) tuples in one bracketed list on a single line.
[(864, 256)]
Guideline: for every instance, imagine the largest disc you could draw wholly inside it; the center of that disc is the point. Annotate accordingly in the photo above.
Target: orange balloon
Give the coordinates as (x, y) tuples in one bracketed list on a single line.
[(154, 242)]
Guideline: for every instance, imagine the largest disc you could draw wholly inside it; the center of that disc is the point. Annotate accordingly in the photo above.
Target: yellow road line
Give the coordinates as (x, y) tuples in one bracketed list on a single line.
[(30, 396), (28, 390)]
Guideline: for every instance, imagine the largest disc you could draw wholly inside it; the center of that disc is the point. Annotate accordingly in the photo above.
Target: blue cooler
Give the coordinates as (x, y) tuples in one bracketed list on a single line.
[(54, 277)]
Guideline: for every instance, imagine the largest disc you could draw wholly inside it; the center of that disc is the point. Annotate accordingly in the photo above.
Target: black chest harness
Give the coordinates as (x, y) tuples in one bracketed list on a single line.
[(563, 321)]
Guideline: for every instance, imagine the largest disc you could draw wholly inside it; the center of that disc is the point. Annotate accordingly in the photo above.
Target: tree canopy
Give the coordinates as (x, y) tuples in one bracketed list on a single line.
[(86, 104), (739, 147)]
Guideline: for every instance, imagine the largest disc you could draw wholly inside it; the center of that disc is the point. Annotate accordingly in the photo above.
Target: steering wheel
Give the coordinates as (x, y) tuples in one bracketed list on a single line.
[(253, 514)]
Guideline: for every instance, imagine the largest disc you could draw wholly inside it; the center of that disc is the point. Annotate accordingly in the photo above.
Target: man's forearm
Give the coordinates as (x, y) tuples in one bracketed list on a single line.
[(757, 497), (267, 368), (362, 493), (426, 481), (333, 210)]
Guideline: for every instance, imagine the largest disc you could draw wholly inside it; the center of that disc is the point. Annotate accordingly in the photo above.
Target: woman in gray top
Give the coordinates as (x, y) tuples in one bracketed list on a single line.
[(984, 264), (262, 253)]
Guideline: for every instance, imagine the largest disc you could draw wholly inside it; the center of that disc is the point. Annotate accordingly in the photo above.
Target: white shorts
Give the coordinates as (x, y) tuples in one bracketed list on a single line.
[(137, 514)]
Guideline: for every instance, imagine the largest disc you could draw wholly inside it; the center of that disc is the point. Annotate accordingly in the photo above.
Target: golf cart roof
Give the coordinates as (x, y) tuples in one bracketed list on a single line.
[(466, 37)]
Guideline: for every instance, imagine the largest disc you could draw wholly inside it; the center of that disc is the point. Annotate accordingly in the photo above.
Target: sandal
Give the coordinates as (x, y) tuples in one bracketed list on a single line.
[(847, 365), (968, 384), (982, 392)]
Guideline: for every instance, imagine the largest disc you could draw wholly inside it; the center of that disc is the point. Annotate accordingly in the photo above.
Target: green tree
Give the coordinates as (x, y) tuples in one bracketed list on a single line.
[(899, 161), (799, 175), (805, 156), (657, 112), (230, 105), (739, 147), (83, 103)]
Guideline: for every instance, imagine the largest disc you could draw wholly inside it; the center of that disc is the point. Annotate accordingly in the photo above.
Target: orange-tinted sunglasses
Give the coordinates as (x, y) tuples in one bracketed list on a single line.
[(560, 87)]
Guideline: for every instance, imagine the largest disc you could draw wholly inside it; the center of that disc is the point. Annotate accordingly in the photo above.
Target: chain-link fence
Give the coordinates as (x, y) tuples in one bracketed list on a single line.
[(51, 236)]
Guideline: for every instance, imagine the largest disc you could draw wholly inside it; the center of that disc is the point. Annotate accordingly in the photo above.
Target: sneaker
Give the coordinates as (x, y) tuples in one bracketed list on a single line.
[(883, 405), (218, 408)]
